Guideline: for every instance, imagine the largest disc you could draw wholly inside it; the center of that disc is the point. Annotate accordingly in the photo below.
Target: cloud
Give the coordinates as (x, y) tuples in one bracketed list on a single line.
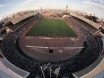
[(4, 5), (95, 6), (88, 6), (101, 1), (26, 2), (34, 4)]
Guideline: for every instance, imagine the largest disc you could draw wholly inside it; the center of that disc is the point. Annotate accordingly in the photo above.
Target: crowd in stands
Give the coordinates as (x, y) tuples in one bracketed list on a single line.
[(84, 58), (0, 43), (85, 25), (81, 26), (1, 24), (11, 52), (76, 63), (18, 60)]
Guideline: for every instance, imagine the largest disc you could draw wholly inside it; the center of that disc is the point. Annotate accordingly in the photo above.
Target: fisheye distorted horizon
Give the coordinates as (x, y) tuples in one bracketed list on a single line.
[(86, 6)]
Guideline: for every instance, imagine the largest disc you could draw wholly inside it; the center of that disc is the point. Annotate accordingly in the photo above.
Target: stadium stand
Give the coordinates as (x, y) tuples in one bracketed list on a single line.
[(86, 20), (1, 24), (71, 66), (94, 66), (19, 24), (85, 25), (80, 61)]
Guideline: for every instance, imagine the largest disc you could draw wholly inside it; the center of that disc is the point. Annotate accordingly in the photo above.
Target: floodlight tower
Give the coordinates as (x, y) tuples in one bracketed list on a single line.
[(66, 9), (41, 9)]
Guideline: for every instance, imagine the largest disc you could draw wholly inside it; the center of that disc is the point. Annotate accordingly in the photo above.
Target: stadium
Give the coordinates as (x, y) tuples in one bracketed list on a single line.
[(51, 44)]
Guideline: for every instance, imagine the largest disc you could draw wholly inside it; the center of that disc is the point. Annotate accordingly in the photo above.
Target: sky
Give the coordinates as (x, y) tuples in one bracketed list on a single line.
[(86, 6)]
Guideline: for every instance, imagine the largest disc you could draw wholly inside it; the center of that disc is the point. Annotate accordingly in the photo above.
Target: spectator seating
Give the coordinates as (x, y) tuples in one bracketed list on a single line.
[(76, 63)]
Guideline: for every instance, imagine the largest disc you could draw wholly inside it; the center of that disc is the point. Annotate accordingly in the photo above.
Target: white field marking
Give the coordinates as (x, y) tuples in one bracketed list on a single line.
[(55, 47)]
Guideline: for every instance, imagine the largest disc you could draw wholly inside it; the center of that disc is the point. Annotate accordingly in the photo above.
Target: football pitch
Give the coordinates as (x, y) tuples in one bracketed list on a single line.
[(51, 28)]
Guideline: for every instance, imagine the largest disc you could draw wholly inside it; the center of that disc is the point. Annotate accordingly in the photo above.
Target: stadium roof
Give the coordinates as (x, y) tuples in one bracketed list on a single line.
[(99, 75), (103, 41), (91, 70), (95, 25), (18, 19), (14, 69), (4, 75)]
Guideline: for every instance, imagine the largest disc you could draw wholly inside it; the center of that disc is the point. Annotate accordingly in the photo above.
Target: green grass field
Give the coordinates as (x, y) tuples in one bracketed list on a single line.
[(51, 28)]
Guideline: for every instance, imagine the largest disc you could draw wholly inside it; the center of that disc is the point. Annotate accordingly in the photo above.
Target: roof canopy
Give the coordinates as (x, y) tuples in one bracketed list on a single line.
[(18, 19)]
